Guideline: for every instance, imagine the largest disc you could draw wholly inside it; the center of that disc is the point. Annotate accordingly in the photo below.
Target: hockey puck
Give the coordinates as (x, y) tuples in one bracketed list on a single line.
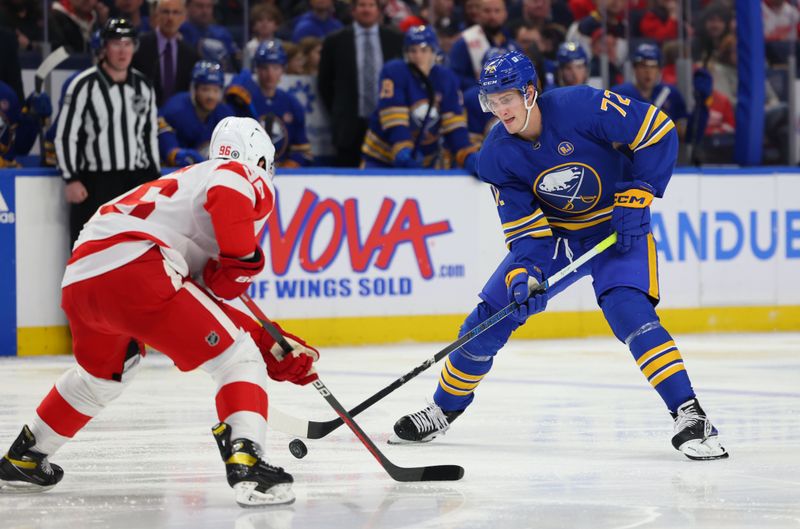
[(298, 448)]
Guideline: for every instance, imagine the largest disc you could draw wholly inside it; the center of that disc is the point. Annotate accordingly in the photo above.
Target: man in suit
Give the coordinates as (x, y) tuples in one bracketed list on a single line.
[(348, 76), (163, 56)]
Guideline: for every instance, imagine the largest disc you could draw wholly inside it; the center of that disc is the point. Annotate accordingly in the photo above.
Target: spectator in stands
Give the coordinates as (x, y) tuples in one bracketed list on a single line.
[(132, 10), (281, 114), (311, 48), (101, 157), (442, 14), (539, 13), (526, 34), (572, 65), (210, 40), (714, 24), (590, 33), (318, 22), (490, 31), (186, 121), (419, 105), (661, 22), (163, 56), (19, 126), (349, 65), (395, 12), (265, 19), (472, 12), (71, 23), (780, 20), (10, 72), (447, 35), (295, 59), (600, 43), (647, 86), (24, 17)]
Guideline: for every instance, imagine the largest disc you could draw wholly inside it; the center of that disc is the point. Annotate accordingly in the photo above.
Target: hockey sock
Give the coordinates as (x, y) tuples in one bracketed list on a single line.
[(465, 367), (632, 317), (241, 398), (76, 398)]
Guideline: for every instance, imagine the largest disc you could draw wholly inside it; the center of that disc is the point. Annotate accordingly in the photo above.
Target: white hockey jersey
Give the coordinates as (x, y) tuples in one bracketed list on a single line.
[(189, 214)]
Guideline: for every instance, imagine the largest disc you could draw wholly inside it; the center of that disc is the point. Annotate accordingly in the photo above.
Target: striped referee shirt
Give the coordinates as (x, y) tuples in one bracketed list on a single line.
[(107, 126)]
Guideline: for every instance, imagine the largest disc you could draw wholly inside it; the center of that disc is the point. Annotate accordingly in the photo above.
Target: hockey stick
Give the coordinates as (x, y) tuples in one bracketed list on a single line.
[(318, 430), (429, 473), (42, 72)]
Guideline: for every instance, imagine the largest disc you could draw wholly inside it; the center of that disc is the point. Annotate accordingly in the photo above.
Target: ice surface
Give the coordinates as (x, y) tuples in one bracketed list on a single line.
[(562, 434)]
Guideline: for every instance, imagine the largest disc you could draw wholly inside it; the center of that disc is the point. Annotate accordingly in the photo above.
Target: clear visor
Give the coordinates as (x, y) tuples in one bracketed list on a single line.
[(495, 101)]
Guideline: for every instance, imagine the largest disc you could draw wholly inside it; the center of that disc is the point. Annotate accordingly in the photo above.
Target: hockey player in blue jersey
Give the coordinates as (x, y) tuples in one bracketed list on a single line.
[(278, 111), (573, 65), (19, 125), (561, 184), (187, 119), (419, 103)]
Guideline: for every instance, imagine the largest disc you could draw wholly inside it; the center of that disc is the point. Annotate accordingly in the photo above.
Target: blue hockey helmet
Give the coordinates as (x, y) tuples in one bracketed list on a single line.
[(647, 53), (491, 53), (570, 52), (421, 36), (270, 52), (207, 72), (511, 71)]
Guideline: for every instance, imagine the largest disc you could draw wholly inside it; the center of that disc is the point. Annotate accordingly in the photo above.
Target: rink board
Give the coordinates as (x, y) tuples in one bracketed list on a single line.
[(381, 257)]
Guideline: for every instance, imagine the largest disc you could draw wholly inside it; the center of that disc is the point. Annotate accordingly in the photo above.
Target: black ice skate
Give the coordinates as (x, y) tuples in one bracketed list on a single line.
[(423, 426), (695, 436), (256, 483), (24, 470)]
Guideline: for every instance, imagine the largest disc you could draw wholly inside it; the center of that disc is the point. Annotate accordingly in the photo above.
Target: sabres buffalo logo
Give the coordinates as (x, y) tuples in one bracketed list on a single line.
[(570, 187)]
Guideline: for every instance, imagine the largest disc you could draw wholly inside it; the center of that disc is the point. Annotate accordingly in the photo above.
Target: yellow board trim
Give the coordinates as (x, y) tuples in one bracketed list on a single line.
[(443, 328)]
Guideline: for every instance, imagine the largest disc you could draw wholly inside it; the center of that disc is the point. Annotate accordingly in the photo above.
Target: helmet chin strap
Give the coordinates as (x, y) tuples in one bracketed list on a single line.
[(528, 109)]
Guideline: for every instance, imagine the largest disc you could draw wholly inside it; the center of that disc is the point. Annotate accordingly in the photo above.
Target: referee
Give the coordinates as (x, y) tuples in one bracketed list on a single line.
[(106, 142)]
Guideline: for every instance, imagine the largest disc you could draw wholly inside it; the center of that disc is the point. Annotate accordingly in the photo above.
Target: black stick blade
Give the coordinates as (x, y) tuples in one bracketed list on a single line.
[(432, 473)]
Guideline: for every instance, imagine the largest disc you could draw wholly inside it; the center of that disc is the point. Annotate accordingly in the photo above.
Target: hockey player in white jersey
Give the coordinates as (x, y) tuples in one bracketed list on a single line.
[(141, 272)]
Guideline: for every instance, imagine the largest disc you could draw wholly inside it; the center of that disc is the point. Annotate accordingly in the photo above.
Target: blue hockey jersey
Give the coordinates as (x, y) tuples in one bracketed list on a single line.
[(179, 126), (18, 129), (400, 117), (282, 116), (563, 185), (670, 99)]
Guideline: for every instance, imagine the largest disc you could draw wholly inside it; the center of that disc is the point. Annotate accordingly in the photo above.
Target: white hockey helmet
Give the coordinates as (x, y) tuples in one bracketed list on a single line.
[(243, 140)]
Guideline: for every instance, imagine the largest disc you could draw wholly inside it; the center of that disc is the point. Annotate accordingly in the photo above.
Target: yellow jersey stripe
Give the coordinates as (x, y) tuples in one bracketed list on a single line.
[(577, 226), (540, 223), (648, 118), (658, 379), (658, 135), (660, 362), (538, 234), (519, 222), (654, 351)]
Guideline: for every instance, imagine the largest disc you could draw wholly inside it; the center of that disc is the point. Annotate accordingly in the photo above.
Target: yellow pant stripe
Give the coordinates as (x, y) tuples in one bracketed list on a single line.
[(654, 351), (660, 362), (658, 379), (652, 262)]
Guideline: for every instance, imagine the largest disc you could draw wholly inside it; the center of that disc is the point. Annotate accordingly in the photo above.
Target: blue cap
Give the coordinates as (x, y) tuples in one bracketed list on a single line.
[(270, 52), (421, 36), (208, 72), (569, 52), (647, 53), (512, 71)]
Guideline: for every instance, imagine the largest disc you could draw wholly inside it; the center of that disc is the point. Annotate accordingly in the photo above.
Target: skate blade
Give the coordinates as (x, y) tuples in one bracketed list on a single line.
[(707, 450), (247, 496), (395, 440), (22, 487)]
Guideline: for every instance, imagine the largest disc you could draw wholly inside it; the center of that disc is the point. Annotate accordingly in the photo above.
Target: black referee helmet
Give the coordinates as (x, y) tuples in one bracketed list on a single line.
[(118, 28)]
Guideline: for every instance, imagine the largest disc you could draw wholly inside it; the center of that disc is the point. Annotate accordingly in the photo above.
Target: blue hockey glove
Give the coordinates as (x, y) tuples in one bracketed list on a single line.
[(703, 85), (39, 105), (630, 217), (183, 157), (521, 283), (404, 159)]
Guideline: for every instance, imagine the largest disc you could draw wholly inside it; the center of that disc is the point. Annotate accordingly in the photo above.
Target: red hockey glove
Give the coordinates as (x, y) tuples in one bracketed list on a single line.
[(230, 277), (296, 367)]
